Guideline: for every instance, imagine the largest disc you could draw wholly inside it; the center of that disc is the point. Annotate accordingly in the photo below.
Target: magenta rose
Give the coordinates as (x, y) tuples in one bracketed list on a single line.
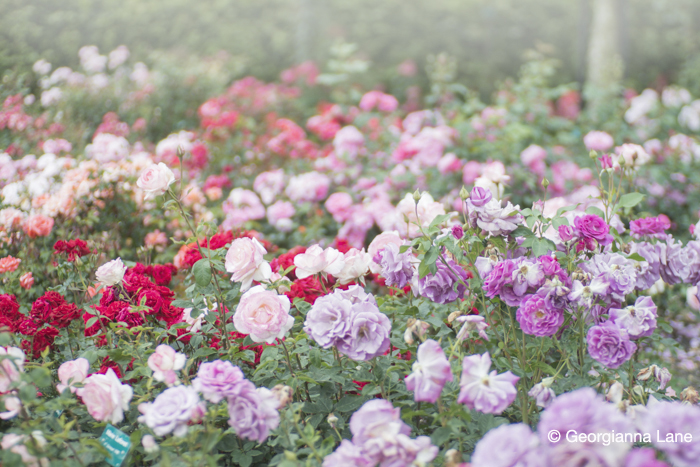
[(593, 227)]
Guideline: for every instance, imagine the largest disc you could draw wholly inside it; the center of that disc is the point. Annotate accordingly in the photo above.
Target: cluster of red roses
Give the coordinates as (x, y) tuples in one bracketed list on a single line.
[(73, 248), (137, 289), (49, 313)]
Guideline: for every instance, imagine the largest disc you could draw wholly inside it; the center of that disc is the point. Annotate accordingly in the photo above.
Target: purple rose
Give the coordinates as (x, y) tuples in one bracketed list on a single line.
[(172, 410), (430, 372), (680, 264), (650, 226), (457, 232), (480, 196), (593, 227), (666, 420), (566, 232), (616, 271), (253, 412), (329, 319), (537, 318), (639, 320), (507, 446), (528, 274), (218, 380), (369, 333), (649, 273), (396, 267), (609, 344), (444, 286)]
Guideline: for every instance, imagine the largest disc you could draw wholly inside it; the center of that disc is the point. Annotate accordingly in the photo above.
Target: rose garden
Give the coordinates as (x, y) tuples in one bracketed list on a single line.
[(317, 272)]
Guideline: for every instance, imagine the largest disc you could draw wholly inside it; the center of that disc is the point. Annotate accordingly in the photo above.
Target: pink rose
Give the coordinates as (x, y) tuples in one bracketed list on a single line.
[(246, 263), (71, 372), (598, 141), (9, 264), (164, 362), (339, 205), (269, 184), (449, 163), (155, 180), (263, 314), (311, 186), (317, 260), (533, 154), (593, 227), (10, 368), (240, 207), (106, 397), (38, 225), (348, 141), (470, 172), (279, 215), (387, 103), (13, 406)]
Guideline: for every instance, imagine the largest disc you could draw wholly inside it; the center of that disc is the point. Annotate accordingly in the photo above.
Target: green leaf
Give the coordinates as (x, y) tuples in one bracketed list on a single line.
[(202, 272), (558, 221), (349, 403), (542, 246), (636, 257), (522, 231), (596, 211), (544, 367), (630, 200), (441, 435)]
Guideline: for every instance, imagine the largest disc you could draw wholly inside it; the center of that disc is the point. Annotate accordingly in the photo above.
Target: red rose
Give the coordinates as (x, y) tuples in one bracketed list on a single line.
[(162, 274), (170, 314), (108, 364), (41, 340), (62, 315), (151, 299), (41, 309), (286, 260), (9, 312), (308, 289), (27, 327), (220, 240)]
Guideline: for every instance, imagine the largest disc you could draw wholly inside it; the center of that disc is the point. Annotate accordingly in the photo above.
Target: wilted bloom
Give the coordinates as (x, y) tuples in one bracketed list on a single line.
[(284, 394), (149, 444), (472, 323), (263, 314), (106, 397), (172, 410), (244, 259), (485, 391), (71, 372), (164, 362), (431, 371), (111, 273), (155, 180), (543, 393)]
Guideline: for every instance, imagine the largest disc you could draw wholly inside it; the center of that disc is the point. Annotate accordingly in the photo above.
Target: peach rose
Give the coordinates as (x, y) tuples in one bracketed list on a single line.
[(38, 225), (9, 264), (26, 281)]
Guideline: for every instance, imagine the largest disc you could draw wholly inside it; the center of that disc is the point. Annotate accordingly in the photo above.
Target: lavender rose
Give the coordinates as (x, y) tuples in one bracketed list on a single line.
[(609, 344), (329, 319), (253, 412), (508, 445), (218, 380), (444, 286), (480, 196), (172, 410), (369, 333), (538, 318), (430, 372), (639, 320), (396, 267)]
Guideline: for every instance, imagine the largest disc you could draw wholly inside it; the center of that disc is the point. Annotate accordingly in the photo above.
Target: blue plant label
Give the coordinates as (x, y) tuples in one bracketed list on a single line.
[(117, 443)]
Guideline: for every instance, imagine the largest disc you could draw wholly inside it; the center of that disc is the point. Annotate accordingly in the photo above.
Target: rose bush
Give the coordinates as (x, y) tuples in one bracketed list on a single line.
[(355, 282)]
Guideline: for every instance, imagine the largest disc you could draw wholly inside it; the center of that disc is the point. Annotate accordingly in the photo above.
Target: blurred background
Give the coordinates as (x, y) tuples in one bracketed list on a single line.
[(657, 41)]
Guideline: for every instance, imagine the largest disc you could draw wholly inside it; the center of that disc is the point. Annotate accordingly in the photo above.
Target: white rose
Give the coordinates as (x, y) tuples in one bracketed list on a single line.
[(111, 273), (316, 260), (356, 265), (246, 263), (155, 180)]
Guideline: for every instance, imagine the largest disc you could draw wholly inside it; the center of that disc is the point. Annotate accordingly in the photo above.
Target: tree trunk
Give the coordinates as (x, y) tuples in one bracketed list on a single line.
[(604, 62)]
